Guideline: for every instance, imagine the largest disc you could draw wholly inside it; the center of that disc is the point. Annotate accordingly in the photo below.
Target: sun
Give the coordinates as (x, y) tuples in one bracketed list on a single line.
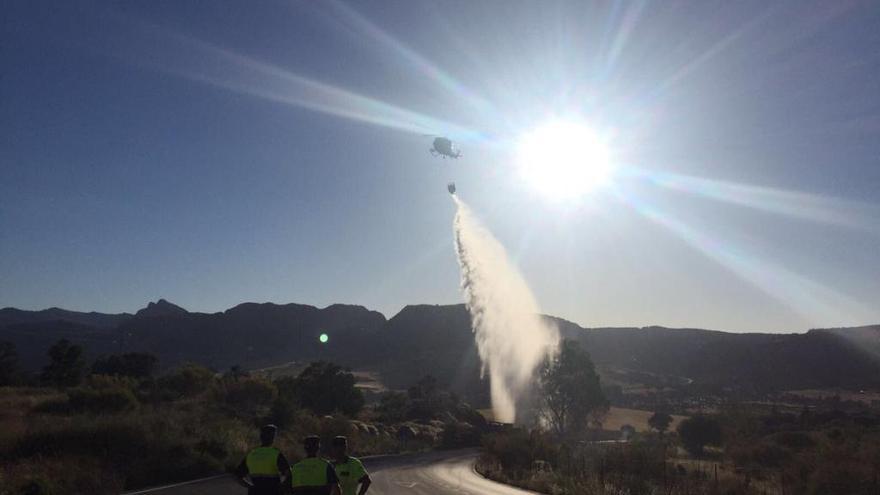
[(563, 159)]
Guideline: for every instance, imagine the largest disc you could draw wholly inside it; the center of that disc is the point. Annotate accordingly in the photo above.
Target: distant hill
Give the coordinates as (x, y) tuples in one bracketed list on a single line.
[(250, 334), (743, 361), (161, 308), (430, 339), (11, 316), (253, 335), (867, 337), (423, 339)]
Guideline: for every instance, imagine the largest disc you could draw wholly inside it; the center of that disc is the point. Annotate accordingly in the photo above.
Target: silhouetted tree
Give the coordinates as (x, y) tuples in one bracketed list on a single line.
[(66, 366), (132, 364), (325, 388), (660, 421), (698, 431), (8, 363), (569, 390)]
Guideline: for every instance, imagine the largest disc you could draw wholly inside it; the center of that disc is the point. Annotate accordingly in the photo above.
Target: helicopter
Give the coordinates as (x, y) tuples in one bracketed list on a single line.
[(444, 147)]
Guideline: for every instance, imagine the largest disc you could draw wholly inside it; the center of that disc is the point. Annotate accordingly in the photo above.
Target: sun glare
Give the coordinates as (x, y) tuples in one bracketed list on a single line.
[(563, 159)]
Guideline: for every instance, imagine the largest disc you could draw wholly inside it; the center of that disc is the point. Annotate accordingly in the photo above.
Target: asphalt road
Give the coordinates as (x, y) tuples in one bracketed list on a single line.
[(432, 473)]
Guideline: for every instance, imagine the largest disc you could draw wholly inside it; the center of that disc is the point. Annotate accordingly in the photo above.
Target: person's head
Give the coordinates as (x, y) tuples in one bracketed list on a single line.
[(312, 444), (267, 434), (340, 447)]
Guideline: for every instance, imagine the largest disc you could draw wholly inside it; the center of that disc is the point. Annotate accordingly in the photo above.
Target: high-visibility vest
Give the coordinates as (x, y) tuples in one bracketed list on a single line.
[(263, 461), (350, 473), (311, 471)]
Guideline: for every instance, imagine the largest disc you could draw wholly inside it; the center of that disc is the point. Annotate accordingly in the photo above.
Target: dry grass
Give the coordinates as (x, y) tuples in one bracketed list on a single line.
[(16, 405)]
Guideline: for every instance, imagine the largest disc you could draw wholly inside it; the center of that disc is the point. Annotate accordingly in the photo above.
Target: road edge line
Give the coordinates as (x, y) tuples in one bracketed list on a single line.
[(474, 469), (174, 485)]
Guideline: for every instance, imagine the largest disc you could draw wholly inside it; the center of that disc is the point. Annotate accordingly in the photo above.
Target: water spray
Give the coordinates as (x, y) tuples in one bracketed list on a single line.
[(512, 337)]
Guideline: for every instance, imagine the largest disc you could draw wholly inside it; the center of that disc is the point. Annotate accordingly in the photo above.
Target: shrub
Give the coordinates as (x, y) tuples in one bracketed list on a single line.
[(102, 400), (660, 421), (393, 407), (249, 395), (187, 381), (698, 431), (457, 434), (53, 476), (57, 405), (795, 440), (66, 365), (8, 364), (516, 449), (326, 388), (99, 382), (334, 426), (759, 454), (468, 414), (137, 447), (283, 412)]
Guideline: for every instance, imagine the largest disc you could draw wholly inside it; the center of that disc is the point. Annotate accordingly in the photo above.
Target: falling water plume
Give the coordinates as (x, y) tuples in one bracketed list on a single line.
[(512, 337)]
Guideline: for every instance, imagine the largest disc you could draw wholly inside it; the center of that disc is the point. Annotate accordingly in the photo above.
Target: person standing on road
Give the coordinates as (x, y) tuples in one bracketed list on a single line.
[(313, 475), (350, 470), (264, 470)]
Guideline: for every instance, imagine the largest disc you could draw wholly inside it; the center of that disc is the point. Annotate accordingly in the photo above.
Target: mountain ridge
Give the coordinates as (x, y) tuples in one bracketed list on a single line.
[(438, 339)]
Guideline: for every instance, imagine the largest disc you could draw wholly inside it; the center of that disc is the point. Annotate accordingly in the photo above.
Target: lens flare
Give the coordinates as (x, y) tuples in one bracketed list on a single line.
[(563, 159)]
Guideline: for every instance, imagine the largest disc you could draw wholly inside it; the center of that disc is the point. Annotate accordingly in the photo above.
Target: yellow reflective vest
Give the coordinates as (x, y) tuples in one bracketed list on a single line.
[(263, 461), (311, 471), (350, 473)]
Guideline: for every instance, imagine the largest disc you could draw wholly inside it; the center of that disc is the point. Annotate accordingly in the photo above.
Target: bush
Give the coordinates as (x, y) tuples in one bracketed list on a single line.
[(660, 421), (698, 431), (325, 388), (759, 454), (66, 365), (795, 440), (99, 382), (188, 381), (393, 407), (52, 476), (457, 434), (102, 400), (58, 405), (137, 447), (283, 412), (8, 364), (464, 412), (516, 449), (249, 395)]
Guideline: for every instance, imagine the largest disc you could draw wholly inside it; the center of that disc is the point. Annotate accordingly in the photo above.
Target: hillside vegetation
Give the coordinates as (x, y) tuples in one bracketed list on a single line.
[(434, 339)]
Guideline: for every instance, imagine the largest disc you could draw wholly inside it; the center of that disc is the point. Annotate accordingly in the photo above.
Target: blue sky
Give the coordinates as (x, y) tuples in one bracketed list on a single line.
[(215, 153)]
